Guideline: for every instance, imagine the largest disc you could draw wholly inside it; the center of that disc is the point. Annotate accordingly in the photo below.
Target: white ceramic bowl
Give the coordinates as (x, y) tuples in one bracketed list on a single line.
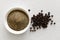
[(11, 30)]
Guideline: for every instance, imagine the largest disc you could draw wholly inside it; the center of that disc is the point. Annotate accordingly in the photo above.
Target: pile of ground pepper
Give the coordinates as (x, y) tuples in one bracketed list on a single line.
[(17, 20), (41, 21)]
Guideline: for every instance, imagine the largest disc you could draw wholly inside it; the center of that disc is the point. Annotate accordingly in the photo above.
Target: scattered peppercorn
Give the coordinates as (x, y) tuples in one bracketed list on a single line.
[(51, 15), (41, 10), (29, 10), (34, 30), (51, 20), (37, 28), (41, 20), (54, 23), (30, 27), (51, 23)]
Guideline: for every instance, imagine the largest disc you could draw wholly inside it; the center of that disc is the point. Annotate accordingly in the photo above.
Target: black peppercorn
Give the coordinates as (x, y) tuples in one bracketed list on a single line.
[(41, 20), (51, 23), (51, 15), (51, 20), (37, 28), (30, 27), (54, 23), (41, 10), (29, 10)]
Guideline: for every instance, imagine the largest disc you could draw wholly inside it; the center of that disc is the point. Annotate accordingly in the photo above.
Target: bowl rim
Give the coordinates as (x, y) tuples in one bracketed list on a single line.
[(7, 26)]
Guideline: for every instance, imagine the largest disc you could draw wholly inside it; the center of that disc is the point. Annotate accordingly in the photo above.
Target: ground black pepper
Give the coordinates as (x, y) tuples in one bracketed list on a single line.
[(17, 20)]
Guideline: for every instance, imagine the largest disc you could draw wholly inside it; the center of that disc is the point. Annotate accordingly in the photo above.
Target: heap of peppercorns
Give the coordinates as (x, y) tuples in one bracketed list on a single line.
[(40, 20)]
